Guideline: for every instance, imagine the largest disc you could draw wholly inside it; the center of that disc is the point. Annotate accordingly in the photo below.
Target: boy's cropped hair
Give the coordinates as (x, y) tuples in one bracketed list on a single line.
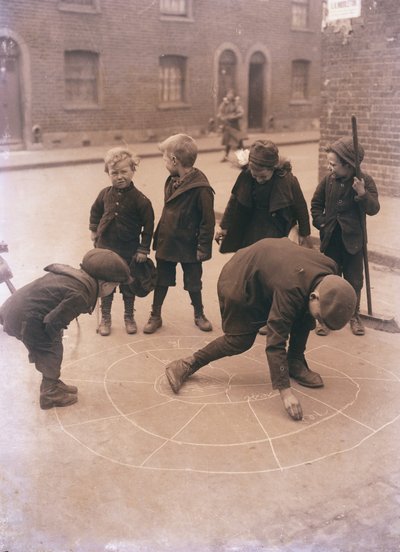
[(181, 146), (115, 155)]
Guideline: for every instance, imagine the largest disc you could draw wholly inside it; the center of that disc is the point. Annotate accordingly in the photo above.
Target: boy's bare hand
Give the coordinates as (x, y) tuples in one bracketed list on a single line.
[(305, 241), (140, 257), (201, 256), (220, 235), (359, 186), (291, 404)]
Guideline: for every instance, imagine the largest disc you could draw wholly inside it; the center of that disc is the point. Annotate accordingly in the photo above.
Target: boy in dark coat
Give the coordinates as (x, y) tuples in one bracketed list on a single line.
[(122, 219), (37, 313), (338, 208), (266, 202), (292, 286), (185, 231)]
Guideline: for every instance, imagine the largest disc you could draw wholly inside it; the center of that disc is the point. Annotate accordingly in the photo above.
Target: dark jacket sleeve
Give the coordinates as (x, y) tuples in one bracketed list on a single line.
[(300, 209), (318, 205), (59, 318), (285, 309), (96, 212), (369, 202), (207, 222), (147, 217)]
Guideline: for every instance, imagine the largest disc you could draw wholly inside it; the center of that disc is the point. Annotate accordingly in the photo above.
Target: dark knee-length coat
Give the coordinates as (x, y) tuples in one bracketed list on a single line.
[(187, 221)]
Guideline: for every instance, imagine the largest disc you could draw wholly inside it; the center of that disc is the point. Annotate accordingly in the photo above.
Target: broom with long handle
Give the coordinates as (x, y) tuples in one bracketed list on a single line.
[(362, 217)]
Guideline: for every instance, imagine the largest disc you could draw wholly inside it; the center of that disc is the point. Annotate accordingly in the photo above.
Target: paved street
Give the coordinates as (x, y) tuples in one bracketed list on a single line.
[(218, 468)]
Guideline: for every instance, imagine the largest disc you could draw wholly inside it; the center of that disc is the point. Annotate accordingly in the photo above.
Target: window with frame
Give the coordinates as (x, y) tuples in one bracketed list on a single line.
[(172, 79), (300, 71), (300, 9), (81, 78), (176, 8)]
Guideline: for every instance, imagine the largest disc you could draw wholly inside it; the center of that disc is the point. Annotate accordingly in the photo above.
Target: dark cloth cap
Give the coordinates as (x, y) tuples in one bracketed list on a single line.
[(337, 300), (144, 277), (264, 153), (104, 264), (344, 148)]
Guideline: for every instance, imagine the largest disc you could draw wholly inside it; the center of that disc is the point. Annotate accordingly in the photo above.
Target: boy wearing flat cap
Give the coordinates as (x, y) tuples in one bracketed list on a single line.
[(290, 286), (37, 313), (338, 207)]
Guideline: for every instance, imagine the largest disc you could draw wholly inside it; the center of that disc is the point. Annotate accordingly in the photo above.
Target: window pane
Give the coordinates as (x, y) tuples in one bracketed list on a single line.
[(299, 15), (300, 80), (173, 7), (172, 79), (81, 77)]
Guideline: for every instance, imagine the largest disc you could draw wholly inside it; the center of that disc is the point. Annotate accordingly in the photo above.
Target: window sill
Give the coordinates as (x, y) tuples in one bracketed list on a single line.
[(82, 107), (173, 105), (174, 18), (300, 102), (75, 8), (301, 30)]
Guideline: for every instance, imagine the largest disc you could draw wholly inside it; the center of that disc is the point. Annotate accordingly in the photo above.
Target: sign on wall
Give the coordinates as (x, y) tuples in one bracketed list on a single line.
[(343, 9)]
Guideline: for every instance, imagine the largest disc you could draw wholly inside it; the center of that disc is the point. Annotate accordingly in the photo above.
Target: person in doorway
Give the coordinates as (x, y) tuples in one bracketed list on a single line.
[(185, 230), (230, 112), (290, 286), (338, 208), (266, 202), (122, 220), (37, 313)]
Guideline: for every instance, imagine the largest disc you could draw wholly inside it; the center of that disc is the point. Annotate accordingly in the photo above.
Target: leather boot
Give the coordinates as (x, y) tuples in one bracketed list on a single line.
[(178, 371), (52, 395), (60, 384), (201, 321), (356, 325), (105, 323), (154, 322), (130, 324), (299, 371)]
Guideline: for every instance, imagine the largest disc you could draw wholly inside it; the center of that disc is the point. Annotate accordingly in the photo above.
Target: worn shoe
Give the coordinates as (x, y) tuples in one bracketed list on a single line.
[(178, 372), (105, 327), (263, 330), (203, 323), (54, 396), (153, 324), (130, 325), (357, 327), (62, 386), (299, 371), (321, 329)]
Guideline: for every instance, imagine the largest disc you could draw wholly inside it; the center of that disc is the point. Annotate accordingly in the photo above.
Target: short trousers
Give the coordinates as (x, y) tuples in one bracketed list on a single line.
[(192, 273)]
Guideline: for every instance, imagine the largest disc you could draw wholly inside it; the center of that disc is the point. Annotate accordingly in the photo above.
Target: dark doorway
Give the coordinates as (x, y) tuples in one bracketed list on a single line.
[(10, 99), (256, 92)]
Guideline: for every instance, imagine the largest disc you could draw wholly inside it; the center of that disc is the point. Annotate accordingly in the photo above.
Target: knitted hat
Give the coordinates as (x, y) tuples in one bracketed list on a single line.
[(264, 153), (337, 301), (104, 264), (344, 148)]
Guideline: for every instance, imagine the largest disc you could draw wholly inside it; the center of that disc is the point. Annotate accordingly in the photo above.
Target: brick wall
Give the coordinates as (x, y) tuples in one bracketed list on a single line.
[(130, 36), (361, 76)]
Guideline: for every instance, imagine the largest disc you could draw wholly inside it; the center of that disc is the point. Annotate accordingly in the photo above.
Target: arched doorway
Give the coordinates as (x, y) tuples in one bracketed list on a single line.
[(227, 68), (255, 109), (10, 92)]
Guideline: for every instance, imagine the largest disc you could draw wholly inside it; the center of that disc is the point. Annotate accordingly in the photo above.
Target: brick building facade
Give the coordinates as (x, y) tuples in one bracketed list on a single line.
[(106, 71), (361, 76)]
